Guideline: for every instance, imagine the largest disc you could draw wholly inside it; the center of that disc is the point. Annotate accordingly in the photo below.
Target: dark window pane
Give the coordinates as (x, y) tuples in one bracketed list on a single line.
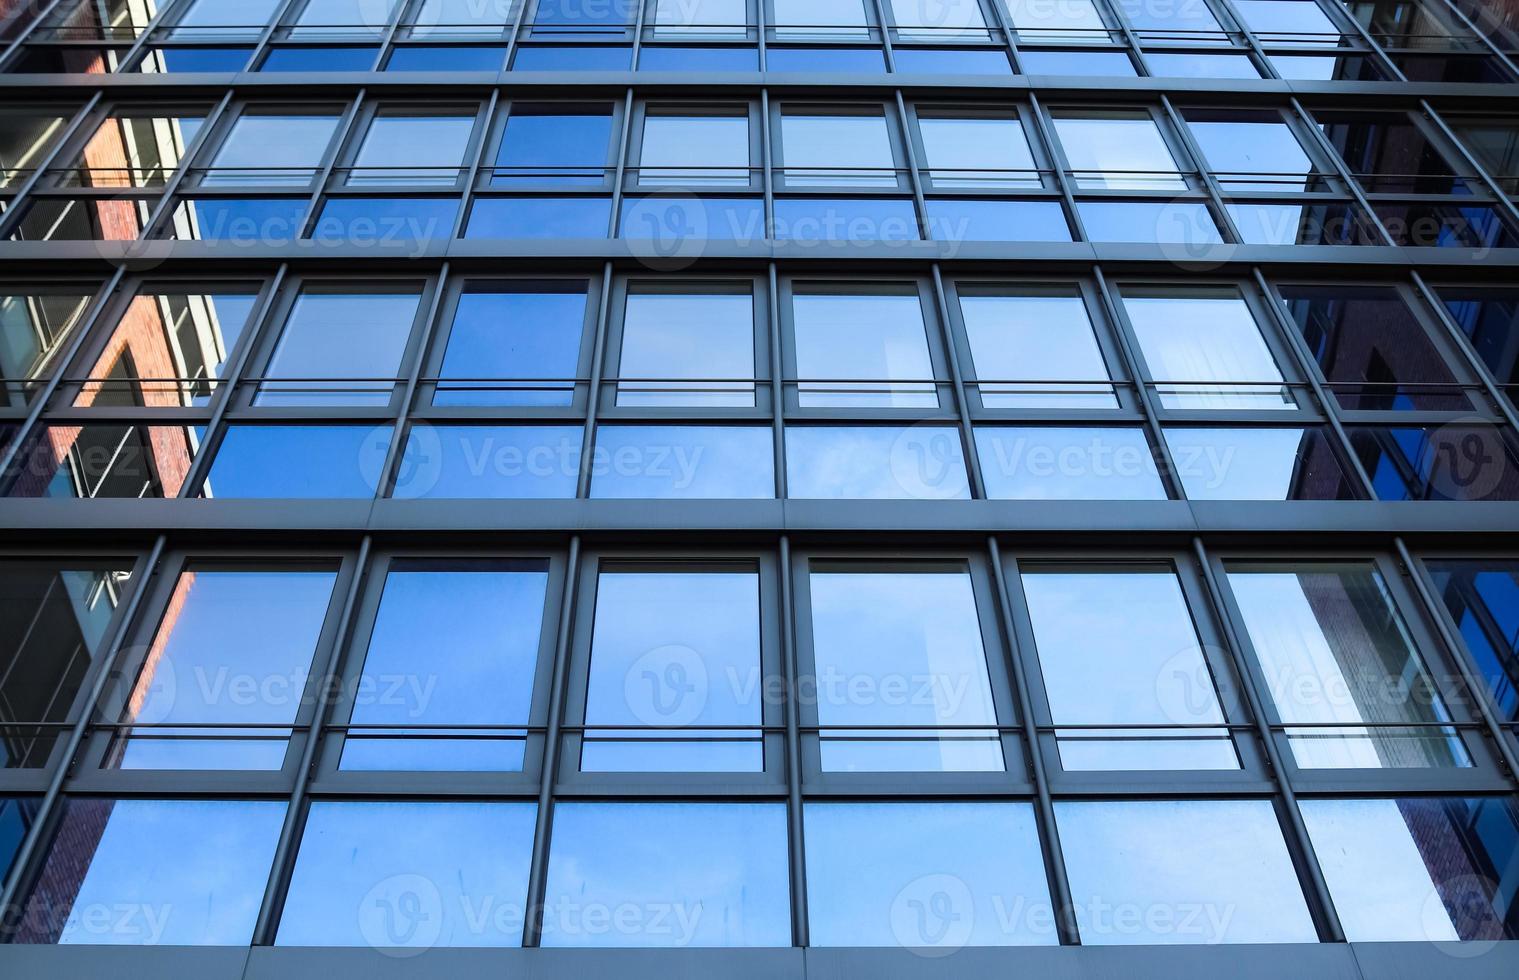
[(298, 461), (233, 647), (1428, 869), (981, 220), (539, 217), (1389, 154), (672, 647), (104, 459), (348, 345), (17, 815), (683, 461), (513, 332), (1257, 464), (1490, 317), (877, 632), (33, 326), (439, 57), (1372, 350), (1458, 461), (26, 137), (1483, 599), (874, 870), (498, 462), (53, 615), (1049, 462), (461, 868), (1456, 67), (1334, 652), (667, 874), (875, 462), (1303, 224), (1495, 144), (1218, 868), (305, 58), (1432, 224), (209, 859), (455, 643), (83, 219)]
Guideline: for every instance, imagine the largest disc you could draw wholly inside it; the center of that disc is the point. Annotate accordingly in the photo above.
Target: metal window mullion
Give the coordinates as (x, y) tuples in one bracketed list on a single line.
[(1480, 692), (777, 382), (957, 379), (171, 186), (221, 398), (1251, 41), (800, 926), (1044, 804), (12, 216), (593, 393), (467, 196), (16, 44), (391, 30), (885, 27), (1322, 906), (267, 34), (1210, 183), (63, 359), (910, 157), (263, 930), (517, 26), (1341, 168), (1136, 50), (1054, 155), (1329, 406), (1146, 396), (1482, 37), (408, 394), (113, 647), (767, 164), (323, 179), (1372, 47), (537, 882), (1505, 203), (760, 31), (1468, 350), (1005, 25), (619, 173), (638, 24)]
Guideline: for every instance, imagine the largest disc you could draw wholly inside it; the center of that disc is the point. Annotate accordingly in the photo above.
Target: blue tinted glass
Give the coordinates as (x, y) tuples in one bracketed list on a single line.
[(197, 59), (192, 873), (953, 61), (459, 57), (1257, 464), (983, 220), (307, 461), (1148, 222), (675, 648), (659, 57), (270, 221), (1170, 18), (1034, 349), (1299, 224), (671, 222), (529, 333), (359, 863), (564, 57), (678, 347), (1425, 869), (1067, 463), (543, 143), (1194, 65), (230, 632), (346, 343), (1218, 870), (875, 632), (667, 874), (386, 220), (935, 876), (1447, 462), (454, 643), (683, 461), (539, 217), (1490, 317), (488, 462), (16, 818), (1117, 647), (867, 60), (1076, 63), (1323, 68), (1483, 599), (1288, 20), (104, 460), (320, 59), (841, 334), (580, 14), (865, 462), (848, 219)]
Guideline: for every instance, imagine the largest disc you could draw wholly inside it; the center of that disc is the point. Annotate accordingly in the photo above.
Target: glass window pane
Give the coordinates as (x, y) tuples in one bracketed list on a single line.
[(700, 18), (192, 870), (1334, 651), (1297, 21), (1181, 21), (1454, 461), (683, 461), (1483, 599), (932, 877), (680, 344), (133, 149), (1054, 61), (1116, 151), (977, 151), (168, 350), (837, 149), (875, 462), (1032, 350), (459, 868), (812, 18), (675, 648), (454, 643), (17, 815), (979, 219), (1050, 462), (1118, 647), (1257, 464), (488, 462), (412, 150), (545, 144), (26, 136), (234, 647), (878, 337), (1195, 64), (667, 874), (1490, 317), (272, 149), (33, 326), (1205, 350), (298, 461), (345, 343), (1181, 871), (226, 19), (53, 615), (1251, 154), (1389, 153), (1428, 869), (343, 18), (103, 460), (1069, 20), (527, 332), (901, 648), (1186, 223), (571, 17), (938, 21), (695, 150), (448, 19)]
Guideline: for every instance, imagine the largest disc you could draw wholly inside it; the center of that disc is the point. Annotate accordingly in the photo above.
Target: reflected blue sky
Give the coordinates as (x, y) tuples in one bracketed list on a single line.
[(521, 334), (875, 462), (495, 462), (298, 461), (683, 461), (539, 217), (669, 336), (1067, 463), (336, 338)]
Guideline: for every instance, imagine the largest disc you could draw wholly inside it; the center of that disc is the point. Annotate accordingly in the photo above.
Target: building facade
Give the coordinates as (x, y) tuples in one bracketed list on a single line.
[(755, 488)]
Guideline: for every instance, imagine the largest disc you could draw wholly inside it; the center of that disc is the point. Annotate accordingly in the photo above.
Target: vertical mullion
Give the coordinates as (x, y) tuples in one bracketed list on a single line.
[(391, 30), (1054, 155), (1321, 906), (1341, 168), (165, 203), (1481, 36), (323, 179), (593, 393), (800, 922), (408, 395), (619, 173), (12, 216), (777, 382), (537, 881), (638, 24), (767, 154), (891, 58), (957, 380), (1501, 199), (472, 176), (1204, 174), (518, 24), (910, 157)]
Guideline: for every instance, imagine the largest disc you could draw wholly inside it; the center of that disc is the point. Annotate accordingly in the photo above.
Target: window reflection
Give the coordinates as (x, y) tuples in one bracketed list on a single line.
[(104, 459), (683, 462), (513, 343), (1204, 349), (1067, 462), (298, 461), (1257, 463), (862, 347), (682, 344), (133, 149), (1458, 461), (33, 326), (1483, 599), (346, 345), (876, 462), (1034, 350)]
